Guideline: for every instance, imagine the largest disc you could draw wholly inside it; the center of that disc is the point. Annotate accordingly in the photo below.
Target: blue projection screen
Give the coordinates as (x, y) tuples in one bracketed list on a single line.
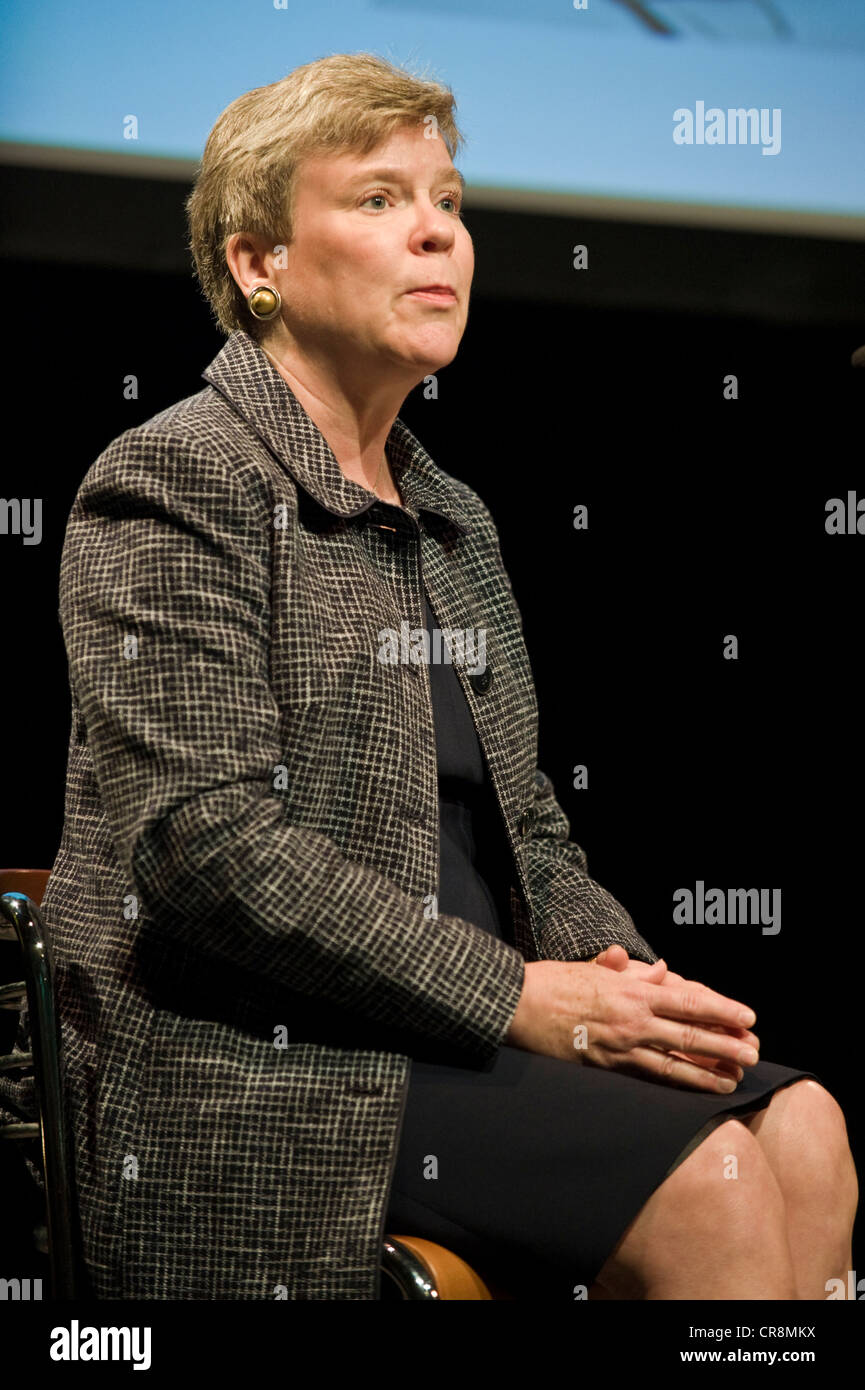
[(743, 113)]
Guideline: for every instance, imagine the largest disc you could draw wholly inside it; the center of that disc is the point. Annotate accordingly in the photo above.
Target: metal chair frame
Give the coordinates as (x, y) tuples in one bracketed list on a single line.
[(21, 920)]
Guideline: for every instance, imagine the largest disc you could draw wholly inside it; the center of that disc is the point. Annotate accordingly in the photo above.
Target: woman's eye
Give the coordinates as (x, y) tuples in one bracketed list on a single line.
[(445, 198)]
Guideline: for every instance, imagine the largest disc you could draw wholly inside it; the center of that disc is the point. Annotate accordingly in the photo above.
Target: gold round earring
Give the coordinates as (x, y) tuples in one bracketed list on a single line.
[(264, 302)]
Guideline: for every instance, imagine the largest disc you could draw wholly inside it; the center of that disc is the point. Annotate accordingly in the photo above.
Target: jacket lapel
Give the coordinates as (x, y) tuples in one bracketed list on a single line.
[(250, 383), (453, 569)]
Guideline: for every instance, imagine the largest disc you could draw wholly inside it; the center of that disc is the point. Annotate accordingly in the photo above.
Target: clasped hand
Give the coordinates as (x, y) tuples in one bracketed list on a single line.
[(617, 958)]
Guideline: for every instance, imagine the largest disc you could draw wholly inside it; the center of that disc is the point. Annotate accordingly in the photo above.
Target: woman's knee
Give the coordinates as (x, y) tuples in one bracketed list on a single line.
[(725, 1183), (804, 1135), (720, 1205)]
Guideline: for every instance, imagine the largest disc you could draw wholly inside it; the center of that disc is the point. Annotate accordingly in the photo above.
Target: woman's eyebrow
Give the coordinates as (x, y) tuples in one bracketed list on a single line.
[(397, 175)]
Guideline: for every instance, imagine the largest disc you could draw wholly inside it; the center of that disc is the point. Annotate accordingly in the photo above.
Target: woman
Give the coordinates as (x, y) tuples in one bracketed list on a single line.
[(328, 962)]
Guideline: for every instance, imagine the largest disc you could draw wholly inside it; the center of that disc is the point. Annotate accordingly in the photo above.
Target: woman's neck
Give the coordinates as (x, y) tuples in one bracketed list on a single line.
[(353, 463)]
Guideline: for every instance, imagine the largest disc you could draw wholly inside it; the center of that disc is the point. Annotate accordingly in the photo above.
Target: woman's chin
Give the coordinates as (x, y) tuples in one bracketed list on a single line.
[(431, 353)]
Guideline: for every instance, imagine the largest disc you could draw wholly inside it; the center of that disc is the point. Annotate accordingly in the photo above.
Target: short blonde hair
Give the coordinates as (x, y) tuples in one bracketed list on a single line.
[(348, 102)]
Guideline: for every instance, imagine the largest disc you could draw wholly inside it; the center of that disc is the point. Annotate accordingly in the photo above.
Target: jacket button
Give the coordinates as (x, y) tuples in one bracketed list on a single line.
[(526, 821), (480, 680)]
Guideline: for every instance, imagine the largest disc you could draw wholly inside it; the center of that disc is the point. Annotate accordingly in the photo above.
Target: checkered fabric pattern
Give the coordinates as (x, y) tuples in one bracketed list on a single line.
[(242, 907)]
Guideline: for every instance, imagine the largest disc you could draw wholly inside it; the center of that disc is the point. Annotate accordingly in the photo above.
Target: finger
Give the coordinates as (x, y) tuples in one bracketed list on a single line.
[(615, 957), (670, 1069), (621, 962), (690, 1039), (744, 1035), (695, 1003), (696, 984), (673, 979), (655, 973), (716, 1064)]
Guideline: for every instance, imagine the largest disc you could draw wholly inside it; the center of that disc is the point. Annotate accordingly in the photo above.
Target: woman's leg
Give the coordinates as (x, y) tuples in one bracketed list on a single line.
[(803, 1137), (715, 1228)]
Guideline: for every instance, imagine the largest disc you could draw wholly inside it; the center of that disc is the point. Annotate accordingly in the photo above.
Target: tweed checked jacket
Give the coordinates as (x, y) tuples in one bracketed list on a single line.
[(242, 907)]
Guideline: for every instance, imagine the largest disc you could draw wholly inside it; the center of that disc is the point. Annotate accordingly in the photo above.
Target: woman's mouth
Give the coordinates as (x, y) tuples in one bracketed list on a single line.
[(435, 294)]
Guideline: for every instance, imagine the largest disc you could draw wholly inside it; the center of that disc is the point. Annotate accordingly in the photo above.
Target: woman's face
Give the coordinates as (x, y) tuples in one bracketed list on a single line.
[(363, 240)]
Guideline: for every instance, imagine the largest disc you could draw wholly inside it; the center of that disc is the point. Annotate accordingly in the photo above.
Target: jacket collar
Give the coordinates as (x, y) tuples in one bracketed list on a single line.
[(248, 380)]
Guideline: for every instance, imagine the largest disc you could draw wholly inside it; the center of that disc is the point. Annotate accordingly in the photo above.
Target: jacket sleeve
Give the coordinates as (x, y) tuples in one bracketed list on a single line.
[(165, 604), (577, 918)]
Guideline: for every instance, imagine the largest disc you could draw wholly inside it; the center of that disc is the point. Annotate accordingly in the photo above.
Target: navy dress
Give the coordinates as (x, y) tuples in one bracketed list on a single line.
[(532, 1167)]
